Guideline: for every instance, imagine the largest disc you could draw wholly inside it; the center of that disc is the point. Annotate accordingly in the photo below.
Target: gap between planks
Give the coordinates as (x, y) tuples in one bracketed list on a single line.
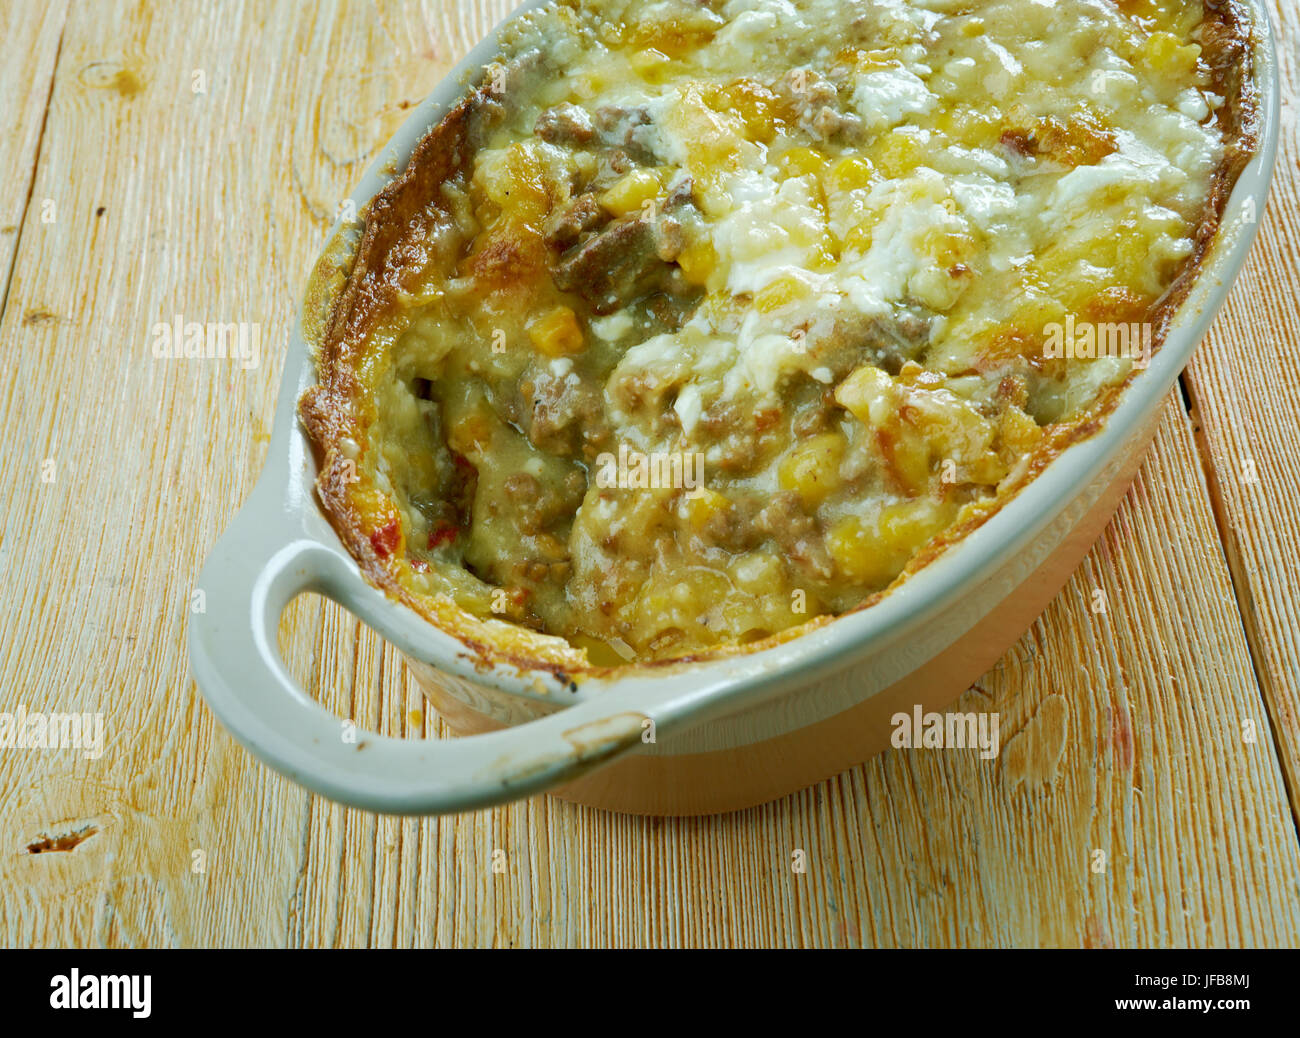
[(36, 164), (1241, 589)]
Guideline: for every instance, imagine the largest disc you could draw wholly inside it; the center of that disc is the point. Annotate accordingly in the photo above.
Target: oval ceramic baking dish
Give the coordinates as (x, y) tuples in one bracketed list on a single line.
[(679, 738)]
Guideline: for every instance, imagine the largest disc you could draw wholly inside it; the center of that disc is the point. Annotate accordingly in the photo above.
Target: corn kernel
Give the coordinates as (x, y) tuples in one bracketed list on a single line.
[(850, 172), (589, 84), (873, 60), (650, 64), (987, 470), (1141, 10), (937, 288), (858, 555), (753, 103), (824, 257), (779, 293), (909, 453), (874, 554), (601, 653), (903, 528), (557, 333), (799, 162), (1163, 52), (631, 193), (812, 470), (897, 153), (858, 239), (758, 573), (471, 435), (697, 262), (675, 36), (808, 234), (612, 34), (703, 506), (869, 395)]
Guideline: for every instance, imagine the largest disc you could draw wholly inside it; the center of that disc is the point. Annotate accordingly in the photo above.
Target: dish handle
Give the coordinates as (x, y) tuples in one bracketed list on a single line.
[(253, 572)]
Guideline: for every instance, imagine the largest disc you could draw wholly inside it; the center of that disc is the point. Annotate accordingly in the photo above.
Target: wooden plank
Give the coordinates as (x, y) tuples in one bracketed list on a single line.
[(1245, 387), (1122, 732), (196, 155), (33, 33)]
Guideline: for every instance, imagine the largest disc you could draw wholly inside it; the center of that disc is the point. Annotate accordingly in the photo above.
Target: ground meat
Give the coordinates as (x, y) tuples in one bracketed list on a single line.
[(629, 258), (626, 129), (570, 223), (537, 508), (449, 509), (741, 435), (733, 528), (617, 123), (565, 124), (670, 232), (673, 307), (797, 534), (885, 342), (521, 488), (828, 123), (565, 415), (814, 415), (611, 166), (807, 91), (813, 103), (613, 267)]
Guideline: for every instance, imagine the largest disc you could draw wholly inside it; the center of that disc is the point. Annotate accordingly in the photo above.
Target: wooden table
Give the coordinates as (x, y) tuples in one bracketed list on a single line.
[(186, 158)]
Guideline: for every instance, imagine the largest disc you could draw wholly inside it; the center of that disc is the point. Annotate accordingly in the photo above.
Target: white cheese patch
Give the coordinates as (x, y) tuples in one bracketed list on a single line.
[(885, 97), (773, 228)]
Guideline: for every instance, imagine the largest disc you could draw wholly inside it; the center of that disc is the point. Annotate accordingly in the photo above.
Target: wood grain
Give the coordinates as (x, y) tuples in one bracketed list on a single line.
[(1245, 386), (25, 85), (1122, 731)]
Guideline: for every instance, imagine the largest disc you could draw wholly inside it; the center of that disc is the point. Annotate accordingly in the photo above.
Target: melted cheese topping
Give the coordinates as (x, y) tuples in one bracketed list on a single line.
[(841, 260)]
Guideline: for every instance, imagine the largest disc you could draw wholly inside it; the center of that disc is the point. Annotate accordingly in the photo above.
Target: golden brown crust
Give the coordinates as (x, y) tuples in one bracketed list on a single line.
[(401, 224)]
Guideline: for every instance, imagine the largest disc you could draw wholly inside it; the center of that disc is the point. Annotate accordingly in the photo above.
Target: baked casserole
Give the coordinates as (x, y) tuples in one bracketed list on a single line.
[(696, 323)]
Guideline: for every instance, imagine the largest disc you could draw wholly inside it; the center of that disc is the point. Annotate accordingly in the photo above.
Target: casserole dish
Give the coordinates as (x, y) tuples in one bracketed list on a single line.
[(696, 735)]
